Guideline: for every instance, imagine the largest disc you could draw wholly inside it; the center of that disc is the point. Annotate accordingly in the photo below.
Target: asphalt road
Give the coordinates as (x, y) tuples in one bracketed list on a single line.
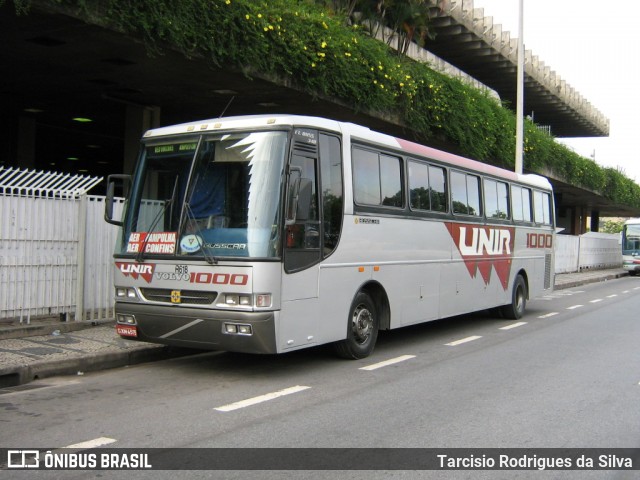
[(566, 375)]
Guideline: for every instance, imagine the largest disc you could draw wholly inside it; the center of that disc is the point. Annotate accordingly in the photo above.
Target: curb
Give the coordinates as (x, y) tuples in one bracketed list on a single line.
[(21, 374), (585, 281)]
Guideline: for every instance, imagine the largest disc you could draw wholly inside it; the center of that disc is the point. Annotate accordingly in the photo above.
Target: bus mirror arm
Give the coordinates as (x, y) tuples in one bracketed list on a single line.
[(109, 199)]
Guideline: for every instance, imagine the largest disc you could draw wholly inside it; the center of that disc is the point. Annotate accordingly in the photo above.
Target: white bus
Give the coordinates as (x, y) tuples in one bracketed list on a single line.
[(267, 234), (631, 246)]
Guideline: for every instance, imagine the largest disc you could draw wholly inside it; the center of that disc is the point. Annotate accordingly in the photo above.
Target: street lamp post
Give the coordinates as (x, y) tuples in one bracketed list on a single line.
[(520, 92)]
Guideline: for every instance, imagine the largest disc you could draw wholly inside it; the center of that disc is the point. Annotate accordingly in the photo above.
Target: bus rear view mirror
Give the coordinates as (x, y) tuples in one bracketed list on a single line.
[(123, 181), (300, 191), (303, 209)]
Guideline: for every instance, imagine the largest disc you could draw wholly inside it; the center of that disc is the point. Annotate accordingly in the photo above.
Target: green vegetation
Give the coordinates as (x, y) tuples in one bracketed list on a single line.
[(317, 48), (611, 225)]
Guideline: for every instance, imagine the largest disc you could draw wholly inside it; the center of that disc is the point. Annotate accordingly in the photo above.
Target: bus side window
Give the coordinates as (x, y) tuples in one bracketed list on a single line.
[(496, 199), (427, 187), (542, 207), (377, 179), (521, 203), (465, 193)]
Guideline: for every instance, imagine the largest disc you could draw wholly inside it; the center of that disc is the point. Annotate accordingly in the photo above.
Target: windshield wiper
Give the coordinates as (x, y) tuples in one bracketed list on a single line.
[(140, 255), (191, 220), (156, 219)]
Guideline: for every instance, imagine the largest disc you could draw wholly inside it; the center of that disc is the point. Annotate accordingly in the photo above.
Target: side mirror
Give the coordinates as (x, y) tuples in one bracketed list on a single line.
[(295, 175), (303, 208), (125, 180)]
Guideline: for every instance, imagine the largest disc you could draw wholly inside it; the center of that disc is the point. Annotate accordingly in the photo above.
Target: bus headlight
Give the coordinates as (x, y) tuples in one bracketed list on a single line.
[(231, 299), (126, 292), (235, 299), (259, 300)]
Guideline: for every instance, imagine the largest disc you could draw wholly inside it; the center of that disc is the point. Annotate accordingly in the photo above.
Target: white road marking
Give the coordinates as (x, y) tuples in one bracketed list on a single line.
[(636, 288), (595, 301), (625, 291), (513, 325), (464, 340), (612, 296), (96, 442), (386, 363), (262, 398), (574, 307), (547, 315)]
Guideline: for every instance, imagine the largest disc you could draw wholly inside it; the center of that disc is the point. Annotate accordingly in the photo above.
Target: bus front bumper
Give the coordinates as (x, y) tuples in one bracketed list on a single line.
[(248, 332)]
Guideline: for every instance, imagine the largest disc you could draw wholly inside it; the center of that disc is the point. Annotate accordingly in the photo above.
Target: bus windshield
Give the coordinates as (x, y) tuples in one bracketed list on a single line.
[(209, 196), (631, 239)]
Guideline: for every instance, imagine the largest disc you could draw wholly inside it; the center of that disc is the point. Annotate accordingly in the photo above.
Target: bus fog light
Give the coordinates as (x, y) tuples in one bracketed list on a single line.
[(263, 300), (244, 329), (126, 319), (237, 329)]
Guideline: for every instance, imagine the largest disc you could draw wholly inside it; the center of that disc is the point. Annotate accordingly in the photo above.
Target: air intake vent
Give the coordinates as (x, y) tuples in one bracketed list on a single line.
[(547, 272), (305, 148), (305, 140)]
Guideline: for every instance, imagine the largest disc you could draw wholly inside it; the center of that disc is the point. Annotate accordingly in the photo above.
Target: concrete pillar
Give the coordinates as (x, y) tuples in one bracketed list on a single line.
[(595, 221), (138, 119), (578, 221)]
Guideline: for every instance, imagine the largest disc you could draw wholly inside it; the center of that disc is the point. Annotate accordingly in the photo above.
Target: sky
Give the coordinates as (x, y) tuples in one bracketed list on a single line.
[(595, 47)]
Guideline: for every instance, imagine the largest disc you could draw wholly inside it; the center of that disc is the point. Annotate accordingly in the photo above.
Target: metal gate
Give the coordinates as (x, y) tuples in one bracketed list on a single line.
[(55, 248)]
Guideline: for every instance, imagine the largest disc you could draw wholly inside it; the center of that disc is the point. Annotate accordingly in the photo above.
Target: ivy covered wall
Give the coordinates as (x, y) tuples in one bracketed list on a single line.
[(322, 54)]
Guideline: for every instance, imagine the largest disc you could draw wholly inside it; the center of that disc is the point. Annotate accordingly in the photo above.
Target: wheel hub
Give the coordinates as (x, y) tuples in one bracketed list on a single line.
[(362, 324)]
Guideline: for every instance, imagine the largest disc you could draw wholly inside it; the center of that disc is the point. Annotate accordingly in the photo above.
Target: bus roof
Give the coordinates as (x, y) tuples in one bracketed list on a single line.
[(354, 131)]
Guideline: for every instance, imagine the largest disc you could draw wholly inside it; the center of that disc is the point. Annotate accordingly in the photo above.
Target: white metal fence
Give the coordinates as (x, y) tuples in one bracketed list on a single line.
[(591, 250), (54, 247)]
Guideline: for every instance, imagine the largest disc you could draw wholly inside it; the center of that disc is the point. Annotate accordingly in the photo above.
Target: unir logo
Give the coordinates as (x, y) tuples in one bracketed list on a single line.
[(143, 270), (483, 247)]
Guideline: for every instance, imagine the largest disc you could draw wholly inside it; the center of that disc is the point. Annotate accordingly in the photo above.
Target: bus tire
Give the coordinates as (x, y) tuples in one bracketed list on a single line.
[(515, 309), (362, 329)]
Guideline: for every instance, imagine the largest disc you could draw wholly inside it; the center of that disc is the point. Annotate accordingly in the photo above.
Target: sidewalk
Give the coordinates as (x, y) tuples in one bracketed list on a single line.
[(49, 348)]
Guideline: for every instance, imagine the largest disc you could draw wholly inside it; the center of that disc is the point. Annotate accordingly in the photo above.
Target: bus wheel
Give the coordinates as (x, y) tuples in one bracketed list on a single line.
[(362, 330), (515, 309)]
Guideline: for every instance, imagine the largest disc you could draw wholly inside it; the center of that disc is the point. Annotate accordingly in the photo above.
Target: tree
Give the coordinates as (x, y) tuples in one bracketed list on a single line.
[(409, 19), (611, 225)]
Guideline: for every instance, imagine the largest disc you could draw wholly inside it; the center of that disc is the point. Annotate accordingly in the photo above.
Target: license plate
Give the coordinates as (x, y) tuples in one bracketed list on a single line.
[(126, 330)]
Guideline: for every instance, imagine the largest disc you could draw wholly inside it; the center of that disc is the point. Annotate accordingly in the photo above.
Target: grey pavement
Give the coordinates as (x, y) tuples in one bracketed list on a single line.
[(49, 347)]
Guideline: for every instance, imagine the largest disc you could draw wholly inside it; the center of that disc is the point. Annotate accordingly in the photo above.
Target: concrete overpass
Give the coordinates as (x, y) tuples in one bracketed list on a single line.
[(62, 68), (471, 41)]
